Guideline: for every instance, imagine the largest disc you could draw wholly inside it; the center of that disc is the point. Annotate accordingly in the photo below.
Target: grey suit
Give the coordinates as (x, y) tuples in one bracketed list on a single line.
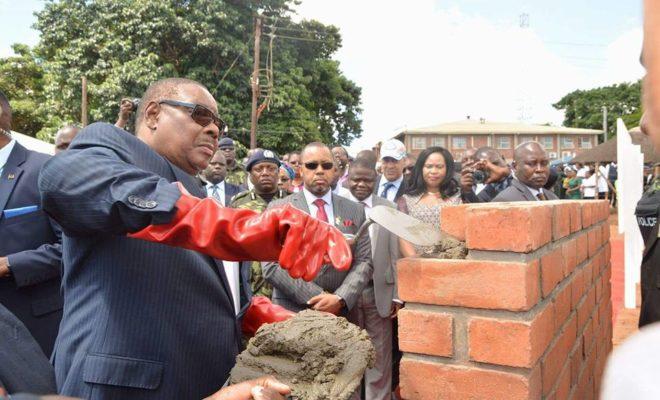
[(293, 294), (374, 305), (519, 192)]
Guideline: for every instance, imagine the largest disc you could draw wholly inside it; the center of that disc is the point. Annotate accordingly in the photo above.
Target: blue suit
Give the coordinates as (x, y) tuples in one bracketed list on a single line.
[(31, 242), (141, 320)]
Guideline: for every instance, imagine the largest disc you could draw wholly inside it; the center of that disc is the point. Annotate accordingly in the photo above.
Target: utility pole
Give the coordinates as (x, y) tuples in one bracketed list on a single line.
[(255, 83), (604, 123), (83, 117)]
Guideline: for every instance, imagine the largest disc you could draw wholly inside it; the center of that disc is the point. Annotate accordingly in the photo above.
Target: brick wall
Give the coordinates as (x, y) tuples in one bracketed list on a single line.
[(526, 316)]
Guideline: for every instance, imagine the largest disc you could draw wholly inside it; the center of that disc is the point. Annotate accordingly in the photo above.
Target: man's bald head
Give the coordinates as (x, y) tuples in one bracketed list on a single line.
[(163, 89), (64, 137), (490, 154), (531, 164)]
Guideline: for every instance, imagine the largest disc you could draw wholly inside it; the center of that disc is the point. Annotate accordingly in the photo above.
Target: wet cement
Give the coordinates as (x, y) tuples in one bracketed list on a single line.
[(448, 248), (320, 356)]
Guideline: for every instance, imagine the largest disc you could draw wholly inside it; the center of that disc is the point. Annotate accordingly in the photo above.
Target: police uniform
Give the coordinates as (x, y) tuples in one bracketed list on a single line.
[(251, 200), (647, 213), (237, 175)]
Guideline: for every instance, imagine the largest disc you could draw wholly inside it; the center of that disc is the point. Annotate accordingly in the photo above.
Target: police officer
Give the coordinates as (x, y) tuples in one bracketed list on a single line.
[(263, 168), (648, 212), (236, 174)]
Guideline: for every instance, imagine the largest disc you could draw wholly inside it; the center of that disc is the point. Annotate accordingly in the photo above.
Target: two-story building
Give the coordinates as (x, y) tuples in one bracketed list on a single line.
[(558, 141)]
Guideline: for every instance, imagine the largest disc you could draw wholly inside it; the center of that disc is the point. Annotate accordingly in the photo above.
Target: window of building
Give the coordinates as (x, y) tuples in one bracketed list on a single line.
[(459, 142), (524, 139), (503, 142), (585, 142), (418, 143), (566, 142), (547, 142), (438, 141)]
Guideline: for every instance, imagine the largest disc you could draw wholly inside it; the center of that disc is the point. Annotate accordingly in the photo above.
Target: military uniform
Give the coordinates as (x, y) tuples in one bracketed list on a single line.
[(237, 175), (647, 213), (250, 200)]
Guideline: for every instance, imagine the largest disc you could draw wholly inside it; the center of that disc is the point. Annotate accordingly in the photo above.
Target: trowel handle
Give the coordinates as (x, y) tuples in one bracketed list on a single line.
[(363, 228)]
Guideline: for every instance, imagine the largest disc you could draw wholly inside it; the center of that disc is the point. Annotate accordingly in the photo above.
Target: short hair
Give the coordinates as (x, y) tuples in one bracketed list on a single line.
[(342, 148), (317, 145), (517, 152), (490, 153), (363, 162), (161, 89)]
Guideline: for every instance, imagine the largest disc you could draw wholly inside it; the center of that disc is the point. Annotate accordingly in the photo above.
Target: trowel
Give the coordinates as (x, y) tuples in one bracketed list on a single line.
[(402, 225)]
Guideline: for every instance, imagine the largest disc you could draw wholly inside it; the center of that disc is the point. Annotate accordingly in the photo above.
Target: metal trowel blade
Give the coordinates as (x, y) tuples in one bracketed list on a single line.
[(405, 226)]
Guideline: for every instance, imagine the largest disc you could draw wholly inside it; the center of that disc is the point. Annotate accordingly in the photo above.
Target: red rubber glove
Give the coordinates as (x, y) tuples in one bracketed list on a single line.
[(262, 311), (300, 243)]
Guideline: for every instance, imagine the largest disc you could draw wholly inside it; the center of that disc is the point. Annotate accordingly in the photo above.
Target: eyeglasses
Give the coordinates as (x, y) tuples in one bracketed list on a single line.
[(200, 114), (314, 165)]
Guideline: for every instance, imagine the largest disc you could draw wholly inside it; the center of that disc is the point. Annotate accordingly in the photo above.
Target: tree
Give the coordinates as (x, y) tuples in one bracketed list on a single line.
[(583, 108), (21, 78), (122, 45)]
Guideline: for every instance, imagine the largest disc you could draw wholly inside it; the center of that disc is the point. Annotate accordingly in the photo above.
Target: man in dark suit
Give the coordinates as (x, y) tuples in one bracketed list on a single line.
[(30, 248), (378, 303), (391, 184), (146, 320), (216, 186), (531, 169), (332, 291)]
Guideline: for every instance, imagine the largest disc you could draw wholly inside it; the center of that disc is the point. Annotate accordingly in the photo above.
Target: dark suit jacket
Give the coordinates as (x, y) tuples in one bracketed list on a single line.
[(24, 367), (519, 192), (141, 320), (231, 190), (293, 294), (399, 193), (32, 243)]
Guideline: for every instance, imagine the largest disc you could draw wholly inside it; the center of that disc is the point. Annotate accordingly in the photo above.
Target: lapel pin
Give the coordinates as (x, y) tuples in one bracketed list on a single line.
[(11, 176)]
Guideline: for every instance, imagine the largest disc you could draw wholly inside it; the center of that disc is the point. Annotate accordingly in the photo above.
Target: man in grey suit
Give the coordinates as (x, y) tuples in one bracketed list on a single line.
[(531, 169), (331, 291), (378, 303)]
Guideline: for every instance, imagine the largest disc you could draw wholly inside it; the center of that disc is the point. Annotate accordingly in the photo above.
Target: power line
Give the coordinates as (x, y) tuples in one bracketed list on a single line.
[(296, 38), (296, 29)]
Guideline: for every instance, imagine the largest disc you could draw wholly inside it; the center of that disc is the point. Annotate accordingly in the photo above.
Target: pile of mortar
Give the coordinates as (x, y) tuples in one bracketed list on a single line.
[(320, 356)]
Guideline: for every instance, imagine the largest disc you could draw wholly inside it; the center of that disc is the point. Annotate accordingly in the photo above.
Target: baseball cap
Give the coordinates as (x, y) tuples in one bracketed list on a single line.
[(225, 142), (394, 149)]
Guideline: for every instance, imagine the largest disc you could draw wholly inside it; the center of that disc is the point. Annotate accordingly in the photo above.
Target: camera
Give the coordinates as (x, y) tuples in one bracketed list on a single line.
[(480, 176)]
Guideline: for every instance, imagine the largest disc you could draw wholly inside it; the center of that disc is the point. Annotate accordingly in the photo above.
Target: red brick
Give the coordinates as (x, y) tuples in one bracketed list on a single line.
[(569, 254), (576, 216), (452, 221), (564, 385), (469, 283), (511, 343), (588, 273), (587, 213), (577, 288), (552, 270), (562, 303), (588, 337), (601, 211), (608, 253), (553, 362), (585, 309), (425, 332), (421, 380), (561, 220), (533, 227), (606, 232), (592, 242), (582, 244)]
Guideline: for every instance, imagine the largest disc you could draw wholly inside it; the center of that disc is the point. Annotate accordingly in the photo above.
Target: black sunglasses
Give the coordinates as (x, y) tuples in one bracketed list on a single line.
[(314, 165), (200, 114)]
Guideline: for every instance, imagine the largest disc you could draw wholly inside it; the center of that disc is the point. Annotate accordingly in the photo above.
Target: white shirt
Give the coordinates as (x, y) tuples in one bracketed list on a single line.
[(4, 154), (368, 204), (391, 194), (310, 198), (602, 179), (582, 172), (589, 186), (221, 191), (233, 278), (534, 192)]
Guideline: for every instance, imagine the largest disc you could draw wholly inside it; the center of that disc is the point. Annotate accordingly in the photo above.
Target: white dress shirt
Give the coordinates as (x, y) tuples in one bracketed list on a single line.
[(4, 154), (368, 204), (391, 194), (534, 192), (310, 198), (221, 191), (589, 186)]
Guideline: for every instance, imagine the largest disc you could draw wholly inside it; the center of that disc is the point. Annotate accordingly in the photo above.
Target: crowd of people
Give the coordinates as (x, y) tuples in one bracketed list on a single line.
[(86, 279)]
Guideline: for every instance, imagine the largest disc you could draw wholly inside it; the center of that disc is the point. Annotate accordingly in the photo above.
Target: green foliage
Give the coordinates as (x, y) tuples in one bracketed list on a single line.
[(121, 46), (583, 108)]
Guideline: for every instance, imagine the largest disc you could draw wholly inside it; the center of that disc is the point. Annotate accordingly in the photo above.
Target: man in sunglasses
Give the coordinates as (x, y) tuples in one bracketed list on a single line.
[(332, 291), (148, 308)]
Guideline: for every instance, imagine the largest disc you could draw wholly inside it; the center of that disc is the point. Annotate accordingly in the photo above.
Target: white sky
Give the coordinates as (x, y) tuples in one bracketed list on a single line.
[(419, 64)]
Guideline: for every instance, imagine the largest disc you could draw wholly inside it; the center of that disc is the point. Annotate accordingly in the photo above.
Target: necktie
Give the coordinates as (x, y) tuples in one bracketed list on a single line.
[(216, 194), (541, 196), (320, 212), (388, 186)]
